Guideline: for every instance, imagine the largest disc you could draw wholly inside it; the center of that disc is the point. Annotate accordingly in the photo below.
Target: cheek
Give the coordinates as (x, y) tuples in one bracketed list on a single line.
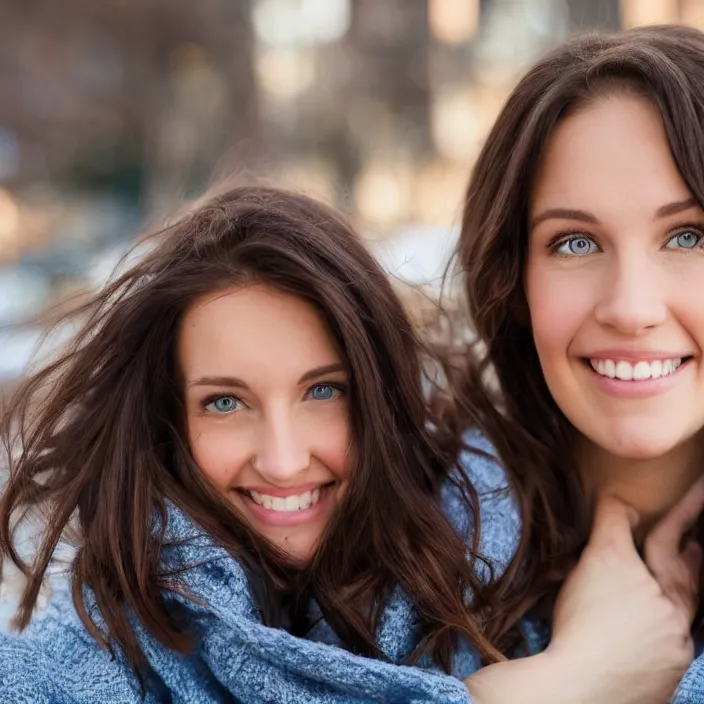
[(686, 304), (216, 451), (558, 309), (332, 444), (552, 333)]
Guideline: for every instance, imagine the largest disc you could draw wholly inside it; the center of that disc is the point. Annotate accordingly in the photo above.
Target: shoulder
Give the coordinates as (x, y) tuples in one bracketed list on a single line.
[(499, 515)]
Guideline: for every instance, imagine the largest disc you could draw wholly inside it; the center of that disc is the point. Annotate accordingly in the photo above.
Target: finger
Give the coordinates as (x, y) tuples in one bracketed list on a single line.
[(613, 525), (681, 586), (663, 542), (692, 557)]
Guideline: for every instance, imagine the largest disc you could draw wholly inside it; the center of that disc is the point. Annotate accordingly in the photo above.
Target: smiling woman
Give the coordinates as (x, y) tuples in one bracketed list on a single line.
[(583, 250), (612, 289), (238, 436), (267, 422), (259, 507)]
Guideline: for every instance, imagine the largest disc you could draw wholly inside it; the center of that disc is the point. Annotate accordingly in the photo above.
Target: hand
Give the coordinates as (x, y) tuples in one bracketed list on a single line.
[(620, 630), (678, 571), (621, 634)]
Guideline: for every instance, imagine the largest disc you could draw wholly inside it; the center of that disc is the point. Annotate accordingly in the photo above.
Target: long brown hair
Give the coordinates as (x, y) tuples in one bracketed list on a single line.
[(99, 437), (512, 404)]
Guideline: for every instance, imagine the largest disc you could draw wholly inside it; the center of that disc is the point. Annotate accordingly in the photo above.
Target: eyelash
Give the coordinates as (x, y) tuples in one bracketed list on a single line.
[(562, 237), (340, 388)]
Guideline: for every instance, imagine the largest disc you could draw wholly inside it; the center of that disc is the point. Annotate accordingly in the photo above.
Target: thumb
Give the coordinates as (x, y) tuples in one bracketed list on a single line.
[(667, 535), (614, 522)]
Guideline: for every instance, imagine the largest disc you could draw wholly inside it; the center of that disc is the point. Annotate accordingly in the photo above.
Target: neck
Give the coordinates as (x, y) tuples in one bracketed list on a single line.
[(652, 486)]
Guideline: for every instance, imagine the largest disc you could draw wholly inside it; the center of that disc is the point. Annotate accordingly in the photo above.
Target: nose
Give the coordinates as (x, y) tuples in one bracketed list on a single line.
[(632, 298), (282, 451)]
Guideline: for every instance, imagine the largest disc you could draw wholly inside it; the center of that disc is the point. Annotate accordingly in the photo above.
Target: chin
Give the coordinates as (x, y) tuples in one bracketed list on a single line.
[(636, 446), (300, 549)]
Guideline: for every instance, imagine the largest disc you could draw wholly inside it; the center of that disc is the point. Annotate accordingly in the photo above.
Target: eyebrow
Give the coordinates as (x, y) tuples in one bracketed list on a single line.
[(234, 382), (676, 207), (584, 216), (564, 214), (322, 371)]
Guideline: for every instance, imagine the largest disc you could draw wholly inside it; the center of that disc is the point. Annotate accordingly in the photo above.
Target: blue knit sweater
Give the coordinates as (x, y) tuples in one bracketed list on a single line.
[(237, 659)]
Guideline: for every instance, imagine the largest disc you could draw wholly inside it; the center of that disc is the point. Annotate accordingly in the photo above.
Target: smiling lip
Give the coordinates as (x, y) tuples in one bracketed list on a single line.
[(633, 355), (273, 518), (638, 388), (289, 491)]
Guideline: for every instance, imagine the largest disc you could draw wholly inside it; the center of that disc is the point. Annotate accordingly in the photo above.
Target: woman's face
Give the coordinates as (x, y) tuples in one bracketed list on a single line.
[(266, 410), (615, 280)]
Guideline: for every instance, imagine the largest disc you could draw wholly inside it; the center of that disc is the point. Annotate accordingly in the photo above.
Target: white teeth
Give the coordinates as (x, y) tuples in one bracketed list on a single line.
[(624, 370), (639, 371), (298, 502)]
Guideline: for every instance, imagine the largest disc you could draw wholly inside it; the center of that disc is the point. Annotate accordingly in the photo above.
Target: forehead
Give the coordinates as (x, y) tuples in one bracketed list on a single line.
[(612, 154), (256, 330)]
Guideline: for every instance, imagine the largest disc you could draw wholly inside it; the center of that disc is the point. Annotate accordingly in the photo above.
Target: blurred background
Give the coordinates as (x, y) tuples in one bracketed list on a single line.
[(113, 112)]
